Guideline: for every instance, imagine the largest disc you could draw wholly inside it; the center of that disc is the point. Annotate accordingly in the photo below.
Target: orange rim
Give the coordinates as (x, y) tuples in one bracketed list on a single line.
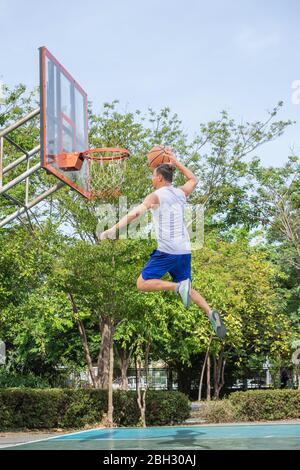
[(120, 153)]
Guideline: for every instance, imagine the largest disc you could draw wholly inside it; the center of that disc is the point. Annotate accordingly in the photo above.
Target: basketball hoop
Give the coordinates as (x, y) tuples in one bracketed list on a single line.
[(117, 154), (106, 169)]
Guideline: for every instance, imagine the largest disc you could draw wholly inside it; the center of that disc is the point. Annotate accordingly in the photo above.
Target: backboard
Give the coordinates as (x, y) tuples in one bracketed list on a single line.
[(64, 122)]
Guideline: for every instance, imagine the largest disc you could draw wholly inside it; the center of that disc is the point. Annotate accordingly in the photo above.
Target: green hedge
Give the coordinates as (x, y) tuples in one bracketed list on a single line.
[(252, 405), (68, 408), (259, 405)]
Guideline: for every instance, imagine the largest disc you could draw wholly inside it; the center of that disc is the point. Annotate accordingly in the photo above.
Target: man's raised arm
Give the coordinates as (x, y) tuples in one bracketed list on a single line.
[(192, 182)]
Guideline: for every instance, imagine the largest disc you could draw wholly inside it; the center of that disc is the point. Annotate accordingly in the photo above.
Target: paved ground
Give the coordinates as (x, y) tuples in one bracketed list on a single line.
[(11, 438)]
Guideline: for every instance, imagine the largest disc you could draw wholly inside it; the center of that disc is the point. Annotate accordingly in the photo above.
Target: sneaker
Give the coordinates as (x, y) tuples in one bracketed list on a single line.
[(184, 291), (217, 323)]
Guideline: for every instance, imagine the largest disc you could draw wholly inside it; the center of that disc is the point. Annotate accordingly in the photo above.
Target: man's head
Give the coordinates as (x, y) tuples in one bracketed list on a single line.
[(162, 176)]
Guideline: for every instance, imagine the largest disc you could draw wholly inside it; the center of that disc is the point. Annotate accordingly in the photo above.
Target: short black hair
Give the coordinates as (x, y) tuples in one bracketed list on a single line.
[(166, 171)]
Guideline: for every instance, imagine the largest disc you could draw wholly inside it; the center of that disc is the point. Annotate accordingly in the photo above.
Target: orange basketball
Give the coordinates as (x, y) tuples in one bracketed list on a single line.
[(157, 156)]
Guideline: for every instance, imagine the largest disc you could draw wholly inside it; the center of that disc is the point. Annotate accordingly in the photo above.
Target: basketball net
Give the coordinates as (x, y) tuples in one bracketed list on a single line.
[(106, 179), (106, 170)]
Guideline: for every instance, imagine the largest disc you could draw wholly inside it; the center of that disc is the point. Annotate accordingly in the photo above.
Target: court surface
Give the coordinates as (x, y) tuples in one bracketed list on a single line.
[(238, 436)]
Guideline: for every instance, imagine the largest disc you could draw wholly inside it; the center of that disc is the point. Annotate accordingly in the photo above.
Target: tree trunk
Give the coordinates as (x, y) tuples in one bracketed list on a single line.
[(110, 420), (124, 364), (106, 328), (103, 358), (219, 367), (141, 395), (298, 381), (84, 340), (203, 369), (124, 379), (208, 397)]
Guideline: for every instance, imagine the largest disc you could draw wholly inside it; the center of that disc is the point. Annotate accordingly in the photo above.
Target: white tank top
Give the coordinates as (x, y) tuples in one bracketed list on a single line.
[(171, 232)]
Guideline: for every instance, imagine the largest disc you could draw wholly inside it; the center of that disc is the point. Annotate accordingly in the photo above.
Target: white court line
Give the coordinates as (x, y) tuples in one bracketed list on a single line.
[(53, 437)]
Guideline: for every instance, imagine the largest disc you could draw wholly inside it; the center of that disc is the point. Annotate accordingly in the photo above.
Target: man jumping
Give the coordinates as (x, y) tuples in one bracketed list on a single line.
[(173, 254)]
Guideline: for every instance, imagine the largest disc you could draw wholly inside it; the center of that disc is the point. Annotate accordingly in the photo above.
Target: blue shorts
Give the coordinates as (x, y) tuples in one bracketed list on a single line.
[(178, 266)]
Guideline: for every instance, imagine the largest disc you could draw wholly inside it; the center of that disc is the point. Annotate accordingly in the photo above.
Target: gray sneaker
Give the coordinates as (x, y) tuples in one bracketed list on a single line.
[(217, 324), (184, 291)]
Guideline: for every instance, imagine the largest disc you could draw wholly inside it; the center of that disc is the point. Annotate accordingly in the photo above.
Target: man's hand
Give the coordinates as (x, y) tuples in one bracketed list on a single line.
[(110, 233), (192, 182), (173, 160)]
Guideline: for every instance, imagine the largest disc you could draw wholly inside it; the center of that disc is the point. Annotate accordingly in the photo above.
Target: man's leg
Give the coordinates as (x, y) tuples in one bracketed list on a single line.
[(213, 315), (155, 285), (200, 301)]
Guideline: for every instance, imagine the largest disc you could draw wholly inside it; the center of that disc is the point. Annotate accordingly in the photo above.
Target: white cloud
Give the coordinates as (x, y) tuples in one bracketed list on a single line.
[(254, 41)]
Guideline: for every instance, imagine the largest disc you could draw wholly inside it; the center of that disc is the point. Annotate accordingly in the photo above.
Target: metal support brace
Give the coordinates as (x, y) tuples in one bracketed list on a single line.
[(4, 133), (27, 205), (20, 178), (31, 204), (20, 122), (1, 161), (21, 159)]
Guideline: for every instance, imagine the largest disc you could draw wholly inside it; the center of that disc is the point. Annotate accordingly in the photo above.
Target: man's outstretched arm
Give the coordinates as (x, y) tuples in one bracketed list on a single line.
[(149, 202)]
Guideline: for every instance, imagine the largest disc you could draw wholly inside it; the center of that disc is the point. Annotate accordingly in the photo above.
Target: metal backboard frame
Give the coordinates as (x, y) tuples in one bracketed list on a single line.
[(64, 121)]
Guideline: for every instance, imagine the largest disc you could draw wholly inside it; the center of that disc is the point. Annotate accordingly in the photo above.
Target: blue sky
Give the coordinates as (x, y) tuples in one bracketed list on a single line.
[(197, 57)]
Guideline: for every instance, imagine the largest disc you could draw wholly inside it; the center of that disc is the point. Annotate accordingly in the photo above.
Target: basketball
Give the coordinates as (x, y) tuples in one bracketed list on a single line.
[(158, 155)]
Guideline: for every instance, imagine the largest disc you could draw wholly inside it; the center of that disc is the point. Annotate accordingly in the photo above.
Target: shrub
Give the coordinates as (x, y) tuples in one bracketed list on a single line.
[(126, 410), (221, 411), (253, 405), (70, 408), (166, 408), (258, 405), (81, 407), (29, 408)]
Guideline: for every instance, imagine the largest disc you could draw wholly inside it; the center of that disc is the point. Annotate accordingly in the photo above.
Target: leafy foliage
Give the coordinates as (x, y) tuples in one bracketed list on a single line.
[(56, 257)]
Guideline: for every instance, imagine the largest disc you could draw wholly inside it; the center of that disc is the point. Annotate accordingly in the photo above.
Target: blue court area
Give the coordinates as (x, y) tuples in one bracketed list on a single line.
[(262, 436)]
